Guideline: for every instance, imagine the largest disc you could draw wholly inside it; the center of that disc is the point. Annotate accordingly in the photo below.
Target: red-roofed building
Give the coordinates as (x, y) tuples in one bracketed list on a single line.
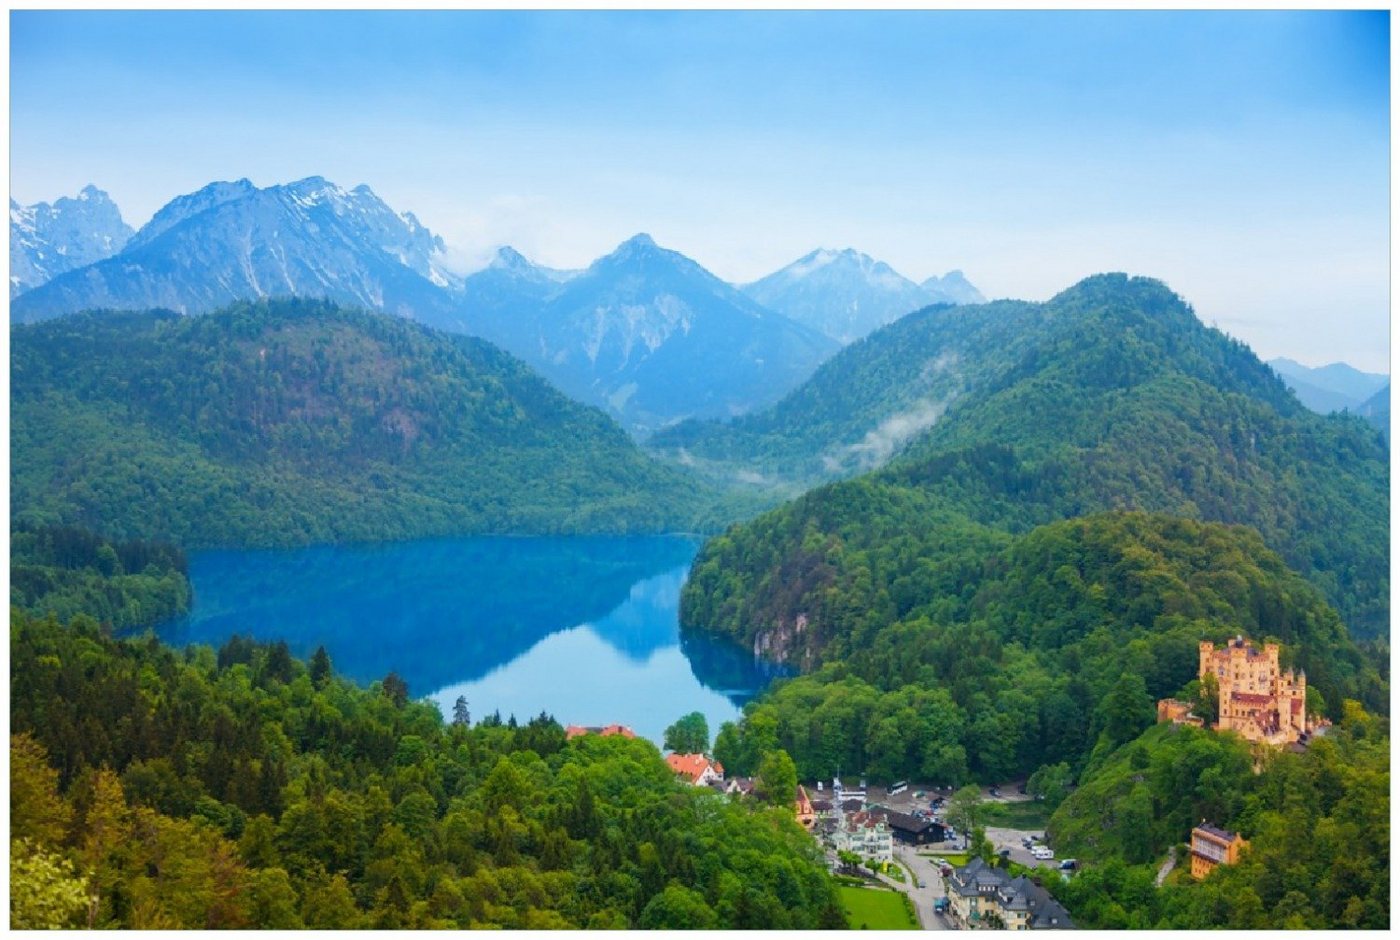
[(574, 731), (806, 815), (696, 768)]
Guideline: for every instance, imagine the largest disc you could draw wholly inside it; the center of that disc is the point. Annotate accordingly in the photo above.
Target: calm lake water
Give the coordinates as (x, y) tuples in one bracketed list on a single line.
[(583, 628)]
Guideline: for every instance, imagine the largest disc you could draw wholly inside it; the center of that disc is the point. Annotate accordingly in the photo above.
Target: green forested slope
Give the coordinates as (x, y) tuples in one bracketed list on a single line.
[(285, 422), (866, 401), (1116, 398), (246, 789), (966, 655), (67, 571), (1318, 824)]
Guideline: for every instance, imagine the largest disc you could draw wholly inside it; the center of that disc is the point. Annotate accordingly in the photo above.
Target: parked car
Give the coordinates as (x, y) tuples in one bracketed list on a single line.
[(924, 884), (1069, 864), (1042, 852), (1027, 841), (994, 791), (940, 905)]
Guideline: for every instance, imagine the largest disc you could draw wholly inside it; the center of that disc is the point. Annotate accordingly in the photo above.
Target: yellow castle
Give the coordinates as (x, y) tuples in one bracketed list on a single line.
[(1257, 700)]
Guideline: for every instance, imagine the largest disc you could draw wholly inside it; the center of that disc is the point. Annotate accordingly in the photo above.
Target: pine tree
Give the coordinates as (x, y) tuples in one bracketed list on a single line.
[(320, 668), (396, 689)]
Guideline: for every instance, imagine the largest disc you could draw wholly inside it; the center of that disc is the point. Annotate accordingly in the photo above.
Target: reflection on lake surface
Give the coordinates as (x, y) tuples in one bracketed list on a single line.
[(583, 628)]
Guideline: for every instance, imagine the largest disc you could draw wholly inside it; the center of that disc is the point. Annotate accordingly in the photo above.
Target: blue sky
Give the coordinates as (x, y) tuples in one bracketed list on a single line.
[(1242, 157)]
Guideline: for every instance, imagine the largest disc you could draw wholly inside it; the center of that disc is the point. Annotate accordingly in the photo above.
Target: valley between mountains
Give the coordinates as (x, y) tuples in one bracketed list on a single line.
[(963, 541)]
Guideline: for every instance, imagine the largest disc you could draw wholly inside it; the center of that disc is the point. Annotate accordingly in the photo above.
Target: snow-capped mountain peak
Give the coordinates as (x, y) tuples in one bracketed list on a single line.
[(844, 293), (232, 241), (49, 240)]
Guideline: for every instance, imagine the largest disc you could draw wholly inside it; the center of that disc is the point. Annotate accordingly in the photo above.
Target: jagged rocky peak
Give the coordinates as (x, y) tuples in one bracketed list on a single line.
[(47, 240), (235, 241), (509, 259)]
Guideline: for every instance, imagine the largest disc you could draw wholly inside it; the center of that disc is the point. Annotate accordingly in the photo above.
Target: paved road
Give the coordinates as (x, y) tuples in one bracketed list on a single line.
[(924, 897)]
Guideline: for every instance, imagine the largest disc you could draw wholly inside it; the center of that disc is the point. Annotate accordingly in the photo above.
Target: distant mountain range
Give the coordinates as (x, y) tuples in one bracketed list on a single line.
[(846, 294), (234, 241), (644, 332), (1329, 388), (49, 240)]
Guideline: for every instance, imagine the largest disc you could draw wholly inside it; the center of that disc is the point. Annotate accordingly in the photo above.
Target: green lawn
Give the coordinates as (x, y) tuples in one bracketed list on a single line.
[(1028, 814), (873, 909), (956, 859)]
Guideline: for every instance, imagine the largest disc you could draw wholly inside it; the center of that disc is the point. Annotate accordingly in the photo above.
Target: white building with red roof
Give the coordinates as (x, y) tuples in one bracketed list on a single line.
[(696, 768)]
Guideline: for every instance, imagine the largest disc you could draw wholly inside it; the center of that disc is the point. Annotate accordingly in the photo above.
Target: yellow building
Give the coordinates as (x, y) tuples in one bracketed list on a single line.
[(1258, 701), (1212, 847), (1178, 713)]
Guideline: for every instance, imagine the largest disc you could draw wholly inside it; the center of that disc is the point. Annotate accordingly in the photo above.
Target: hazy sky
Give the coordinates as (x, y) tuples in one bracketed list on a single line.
[(1241, 157)]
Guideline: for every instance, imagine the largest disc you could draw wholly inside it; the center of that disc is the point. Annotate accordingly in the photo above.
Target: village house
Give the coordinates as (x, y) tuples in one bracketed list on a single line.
[(916, 830), (864, 833), (574, 731), (982, 895), (739, 786), (696, 768), (806, 813), (1212, 847)]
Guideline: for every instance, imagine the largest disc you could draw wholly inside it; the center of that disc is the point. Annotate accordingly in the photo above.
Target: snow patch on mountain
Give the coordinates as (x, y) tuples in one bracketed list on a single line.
[(47, 240)]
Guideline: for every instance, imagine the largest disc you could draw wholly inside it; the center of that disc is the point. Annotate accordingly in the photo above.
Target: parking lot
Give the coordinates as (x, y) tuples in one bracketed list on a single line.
[(916, 799), (1012, 839)]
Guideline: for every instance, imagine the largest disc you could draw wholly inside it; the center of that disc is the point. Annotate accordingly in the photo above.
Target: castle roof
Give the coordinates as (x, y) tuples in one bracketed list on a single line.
[(1251, 698)]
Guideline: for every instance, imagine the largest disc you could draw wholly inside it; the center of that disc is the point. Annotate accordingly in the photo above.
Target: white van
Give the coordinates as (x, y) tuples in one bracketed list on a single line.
[(1042, 852)]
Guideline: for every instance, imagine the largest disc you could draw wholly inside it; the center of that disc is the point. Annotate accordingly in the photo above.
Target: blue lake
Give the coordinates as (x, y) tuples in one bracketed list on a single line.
[(586, 629)]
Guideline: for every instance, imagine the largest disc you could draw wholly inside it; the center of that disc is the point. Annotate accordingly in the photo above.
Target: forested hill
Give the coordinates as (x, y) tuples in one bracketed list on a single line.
[(1110, 396), (877, 395), (295, 421), (866, 402), (152, 789), (965, 654)]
